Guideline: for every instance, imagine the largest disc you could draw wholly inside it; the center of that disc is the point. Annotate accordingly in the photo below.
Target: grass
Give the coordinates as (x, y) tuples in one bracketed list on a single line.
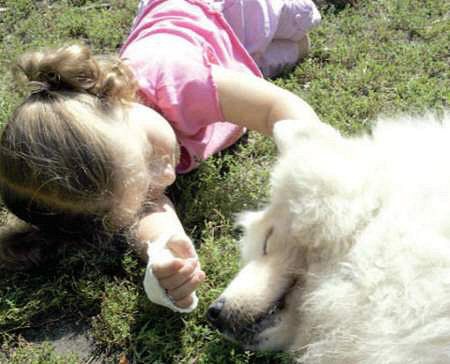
[(386, 56)]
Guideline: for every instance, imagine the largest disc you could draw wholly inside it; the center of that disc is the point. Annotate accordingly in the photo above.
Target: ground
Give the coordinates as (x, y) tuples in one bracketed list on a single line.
[(370, 58)]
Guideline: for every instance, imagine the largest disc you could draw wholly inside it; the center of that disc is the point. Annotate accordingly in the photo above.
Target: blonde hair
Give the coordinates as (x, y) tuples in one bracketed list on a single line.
[(57, 161)]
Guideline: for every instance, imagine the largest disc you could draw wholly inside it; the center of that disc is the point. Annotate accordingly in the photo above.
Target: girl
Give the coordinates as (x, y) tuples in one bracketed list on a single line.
[(99, 139)]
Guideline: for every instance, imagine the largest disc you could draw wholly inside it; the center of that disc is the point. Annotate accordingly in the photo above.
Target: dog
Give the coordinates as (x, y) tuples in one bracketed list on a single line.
[(349, 262)]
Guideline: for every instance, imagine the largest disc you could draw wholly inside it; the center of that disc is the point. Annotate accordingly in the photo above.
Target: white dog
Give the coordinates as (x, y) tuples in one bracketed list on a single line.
[(350, 261)]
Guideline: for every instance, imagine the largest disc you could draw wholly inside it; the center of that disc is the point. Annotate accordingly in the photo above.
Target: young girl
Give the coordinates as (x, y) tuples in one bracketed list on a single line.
[(99, 139)]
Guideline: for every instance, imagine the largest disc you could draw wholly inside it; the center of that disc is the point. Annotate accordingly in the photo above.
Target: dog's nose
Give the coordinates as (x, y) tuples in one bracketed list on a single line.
[(213, 313)]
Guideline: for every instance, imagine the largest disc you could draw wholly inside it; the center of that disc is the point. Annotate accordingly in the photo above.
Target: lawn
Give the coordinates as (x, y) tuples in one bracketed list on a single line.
[(385, 56)]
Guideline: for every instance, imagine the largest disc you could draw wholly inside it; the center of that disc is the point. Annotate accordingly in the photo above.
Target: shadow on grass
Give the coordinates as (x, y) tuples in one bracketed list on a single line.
[(67, 337)]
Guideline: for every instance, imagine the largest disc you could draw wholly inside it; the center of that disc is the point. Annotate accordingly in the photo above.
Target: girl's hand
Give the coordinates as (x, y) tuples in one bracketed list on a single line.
[(181, 275)]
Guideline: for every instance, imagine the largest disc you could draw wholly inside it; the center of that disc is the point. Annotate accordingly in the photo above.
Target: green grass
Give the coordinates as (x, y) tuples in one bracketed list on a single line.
[(383, 56)]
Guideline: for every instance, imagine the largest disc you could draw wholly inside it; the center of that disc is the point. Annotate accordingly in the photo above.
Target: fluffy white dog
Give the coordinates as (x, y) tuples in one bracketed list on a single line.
[(350, 261)]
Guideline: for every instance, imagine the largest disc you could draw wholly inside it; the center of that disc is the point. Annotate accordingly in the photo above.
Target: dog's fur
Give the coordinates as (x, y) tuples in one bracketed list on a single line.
[(356, 267)]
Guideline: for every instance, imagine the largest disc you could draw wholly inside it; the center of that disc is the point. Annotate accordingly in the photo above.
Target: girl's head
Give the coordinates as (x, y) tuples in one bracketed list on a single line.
[(79, 148)]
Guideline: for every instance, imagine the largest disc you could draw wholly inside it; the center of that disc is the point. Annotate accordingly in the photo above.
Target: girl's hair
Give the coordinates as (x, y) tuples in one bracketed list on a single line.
[(57, 158)]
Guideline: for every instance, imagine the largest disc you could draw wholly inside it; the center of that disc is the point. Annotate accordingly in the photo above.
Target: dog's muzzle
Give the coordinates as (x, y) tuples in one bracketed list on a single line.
[(214, 314), (241, 328)]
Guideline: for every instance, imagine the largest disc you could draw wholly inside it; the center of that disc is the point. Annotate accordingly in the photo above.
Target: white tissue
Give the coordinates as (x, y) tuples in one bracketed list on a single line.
[(157, 251)]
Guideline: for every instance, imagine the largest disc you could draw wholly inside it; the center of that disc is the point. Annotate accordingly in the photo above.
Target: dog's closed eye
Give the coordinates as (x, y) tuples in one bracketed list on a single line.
[(266, 241)]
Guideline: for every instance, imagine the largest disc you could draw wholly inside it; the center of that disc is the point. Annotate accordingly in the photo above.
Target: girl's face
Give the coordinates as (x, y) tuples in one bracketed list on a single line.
[(164, 152), (151, 155)]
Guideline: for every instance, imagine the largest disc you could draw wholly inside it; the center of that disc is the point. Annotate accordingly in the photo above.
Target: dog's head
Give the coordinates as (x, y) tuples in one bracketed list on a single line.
[(349, 261), (255, 310), (297, 233)]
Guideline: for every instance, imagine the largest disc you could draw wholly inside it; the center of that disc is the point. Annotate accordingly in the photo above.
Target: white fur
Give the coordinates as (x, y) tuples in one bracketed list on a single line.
[(367, 220)]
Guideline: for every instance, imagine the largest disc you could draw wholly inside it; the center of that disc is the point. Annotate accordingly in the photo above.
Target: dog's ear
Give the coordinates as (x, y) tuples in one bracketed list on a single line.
[(289, 133), (246, 218), (285, 134)]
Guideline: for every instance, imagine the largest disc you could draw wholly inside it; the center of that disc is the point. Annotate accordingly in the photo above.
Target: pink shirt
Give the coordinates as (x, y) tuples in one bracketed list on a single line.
[(170, 50)]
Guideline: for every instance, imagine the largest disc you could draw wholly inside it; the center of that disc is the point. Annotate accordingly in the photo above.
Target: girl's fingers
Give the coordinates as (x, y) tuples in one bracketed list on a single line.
[(181, 277), (186, 289), (167, 268), (185, 302)]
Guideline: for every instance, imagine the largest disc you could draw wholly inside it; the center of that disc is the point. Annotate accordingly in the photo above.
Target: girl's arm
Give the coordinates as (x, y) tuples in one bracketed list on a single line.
[(162, 220), (179, 276), (255, 103)]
